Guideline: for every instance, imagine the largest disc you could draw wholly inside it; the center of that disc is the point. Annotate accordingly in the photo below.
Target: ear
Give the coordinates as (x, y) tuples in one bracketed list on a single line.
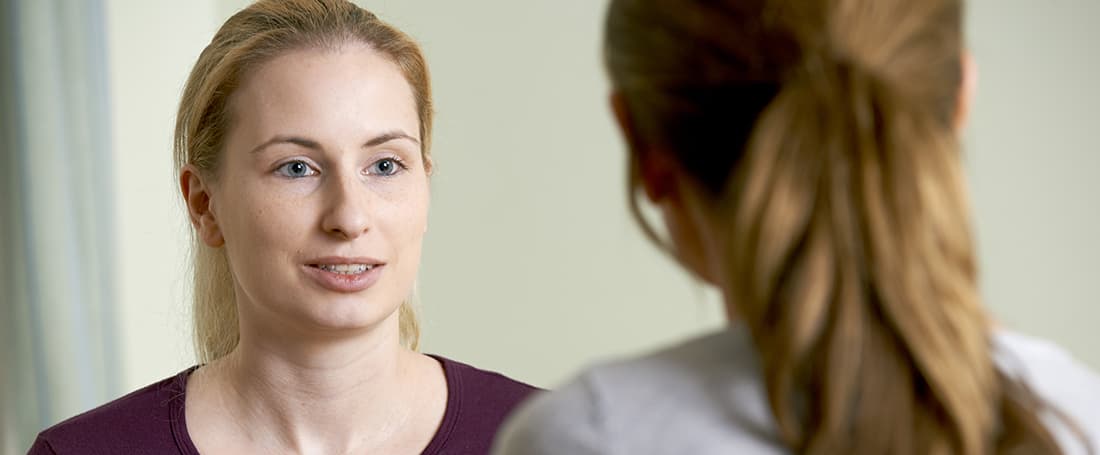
[(655, 169), (968, 86), (196, 194)]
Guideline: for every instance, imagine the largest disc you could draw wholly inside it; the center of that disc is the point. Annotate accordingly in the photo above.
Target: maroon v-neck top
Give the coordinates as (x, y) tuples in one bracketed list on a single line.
[(151, 420)]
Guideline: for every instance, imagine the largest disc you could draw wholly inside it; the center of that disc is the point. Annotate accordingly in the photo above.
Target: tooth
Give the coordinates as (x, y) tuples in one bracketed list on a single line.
[(347, 269)]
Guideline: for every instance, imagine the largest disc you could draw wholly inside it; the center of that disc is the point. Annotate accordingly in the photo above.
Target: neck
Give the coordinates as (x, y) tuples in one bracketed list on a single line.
[(334, 395)]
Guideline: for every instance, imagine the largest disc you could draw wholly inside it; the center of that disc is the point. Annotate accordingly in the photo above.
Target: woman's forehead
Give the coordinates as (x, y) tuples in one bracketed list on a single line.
[(351, 89)]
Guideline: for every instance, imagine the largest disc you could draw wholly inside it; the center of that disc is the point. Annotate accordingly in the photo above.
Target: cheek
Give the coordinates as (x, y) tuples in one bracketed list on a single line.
[(258, 220), (249, 221), (404, 222), (405, 205), (410, 219)]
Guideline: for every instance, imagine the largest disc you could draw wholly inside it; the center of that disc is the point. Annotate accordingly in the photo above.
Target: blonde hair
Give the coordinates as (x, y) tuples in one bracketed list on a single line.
[(257, 34), (823, 133)]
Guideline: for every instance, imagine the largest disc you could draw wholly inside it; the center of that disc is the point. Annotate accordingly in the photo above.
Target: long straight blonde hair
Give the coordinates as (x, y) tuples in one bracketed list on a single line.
[(823, 133), (255, 35)]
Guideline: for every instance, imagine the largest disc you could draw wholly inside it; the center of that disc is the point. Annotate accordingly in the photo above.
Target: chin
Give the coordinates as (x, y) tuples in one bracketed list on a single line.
[(350, 313)]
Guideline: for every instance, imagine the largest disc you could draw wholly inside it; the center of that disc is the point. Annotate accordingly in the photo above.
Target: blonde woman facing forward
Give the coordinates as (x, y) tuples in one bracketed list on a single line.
[(302, 143)]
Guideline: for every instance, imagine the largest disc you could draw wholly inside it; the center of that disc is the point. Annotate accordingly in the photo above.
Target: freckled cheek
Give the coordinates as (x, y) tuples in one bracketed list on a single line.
[(279, 218)]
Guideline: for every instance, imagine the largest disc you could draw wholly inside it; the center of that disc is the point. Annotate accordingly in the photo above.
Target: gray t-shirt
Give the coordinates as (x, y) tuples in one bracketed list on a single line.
[(706, 397)]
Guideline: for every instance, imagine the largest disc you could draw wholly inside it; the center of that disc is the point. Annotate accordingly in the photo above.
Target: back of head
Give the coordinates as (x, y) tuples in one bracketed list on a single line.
[(251, 37), (824, 133)]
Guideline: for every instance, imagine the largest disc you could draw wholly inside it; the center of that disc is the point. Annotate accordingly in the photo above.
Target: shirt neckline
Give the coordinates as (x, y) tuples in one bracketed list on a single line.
[(178, 418)]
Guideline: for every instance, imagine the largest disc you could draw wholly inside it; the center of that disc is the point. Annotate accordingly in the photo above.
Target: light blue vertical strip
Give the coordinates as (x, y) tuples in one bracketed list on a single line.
[(29, 257), (61, 212), (58, 302), (65, 74), (100, 128), (62, 69)]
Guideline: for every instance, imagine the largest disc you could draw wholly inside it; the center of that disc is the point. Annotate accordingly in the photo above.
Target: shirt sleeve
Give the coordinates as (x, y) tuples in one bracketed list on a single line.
[(566, 421)]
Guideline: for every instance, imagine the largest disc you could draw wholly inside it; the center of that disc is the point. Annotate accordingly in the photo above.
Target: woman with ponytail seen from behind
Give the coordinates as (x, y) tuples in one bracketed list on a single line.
[(805, 158)]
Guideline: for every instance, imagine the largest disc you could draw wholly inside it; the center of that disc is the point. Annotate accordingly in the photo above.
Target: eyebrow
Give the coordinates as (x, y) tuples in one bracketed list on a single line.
[(314, 145)]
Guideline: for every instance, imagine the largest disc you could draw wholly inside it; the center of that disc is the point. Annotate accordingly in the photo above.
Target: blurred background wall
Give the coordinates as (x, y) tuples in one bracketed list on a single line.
[(58, 261), (532, 265)]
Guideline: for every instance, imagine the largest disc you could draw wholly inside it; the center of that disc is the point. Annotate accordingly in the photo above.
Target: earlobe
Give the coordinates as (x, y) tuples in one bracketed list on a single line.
[(200, 210), (210, 232)]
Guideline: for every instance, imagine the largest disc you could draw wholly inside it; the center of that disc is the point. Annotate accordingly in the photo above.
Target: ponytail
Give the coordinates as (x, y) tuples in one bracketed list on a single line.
[(822, 136), (852, 264)]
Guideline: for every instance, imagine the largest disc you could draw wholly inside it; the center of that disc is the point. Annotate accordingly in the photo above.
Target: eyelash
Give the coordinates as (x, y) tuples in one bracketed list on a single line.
[(283, 169), (397, 161)]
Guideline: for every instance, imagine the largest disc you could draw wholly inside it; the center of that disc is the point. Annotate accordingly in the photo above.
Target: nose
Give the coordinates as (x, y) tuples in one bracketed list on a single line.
[(347, 207)]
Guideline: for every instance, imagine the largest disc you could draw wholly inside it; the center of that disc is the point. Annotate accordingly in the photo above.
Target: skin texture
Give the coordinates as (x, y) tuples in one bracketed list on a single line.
[(322, 161)]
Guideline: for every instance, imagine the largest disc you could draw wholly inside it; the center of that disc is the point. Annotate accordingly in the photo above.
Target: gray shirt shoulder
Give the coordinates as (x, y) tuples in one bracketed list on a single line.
[(706, 396), (1070, 389), (701, 397)]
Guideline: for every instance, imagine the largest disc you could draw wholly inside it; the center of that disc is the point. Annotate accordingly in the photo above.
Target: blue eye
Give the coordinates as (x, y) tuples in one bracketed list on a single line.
[(296, 169), (386, 167)]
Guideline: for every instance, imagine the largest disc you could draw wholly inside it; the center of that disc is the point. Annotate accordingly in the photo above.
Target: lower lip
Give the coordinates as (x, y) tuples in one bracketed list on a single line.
[(344, 282)]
